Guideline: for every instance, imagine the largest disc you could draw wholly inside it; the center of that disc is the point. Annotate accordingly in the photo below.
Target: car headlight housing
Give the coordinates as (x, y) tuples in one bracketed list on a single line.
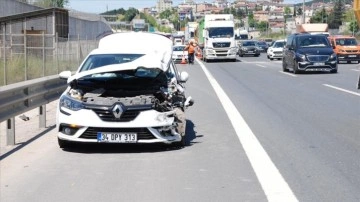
[(233, 50), (210, 51), (70, 103), (301, 57), (244, 49), (333, 56)]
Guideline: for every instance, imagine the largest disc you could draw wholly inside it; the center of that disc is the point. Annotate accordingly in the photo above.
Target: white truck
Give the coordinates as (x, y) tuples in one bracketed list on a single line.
[(215, 35)]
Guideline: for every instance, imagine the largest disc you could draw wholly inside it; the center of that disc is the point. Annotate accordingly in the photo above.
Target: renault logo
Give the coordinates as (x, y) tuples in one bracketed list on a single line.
[(117, 111)]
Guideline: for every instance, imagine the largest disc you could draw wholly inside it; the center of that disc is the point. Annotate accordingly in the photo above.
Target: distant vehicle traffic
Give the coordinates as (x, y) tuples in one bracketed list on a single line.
[(306, 52), (127, 90), (346, 48), (179, 53), (249, 47), (276, 50), (263, 46)]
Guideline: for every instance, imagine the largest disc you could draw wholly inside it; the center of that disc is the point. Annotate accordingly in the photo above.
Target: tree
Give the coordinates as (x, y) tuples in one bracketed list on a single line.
[(336, 17), (319, 17), (262, 26), (353, 27), (251, 20), (299, 11), (130, 14), (52, 3), (165, 14), (287, 11)]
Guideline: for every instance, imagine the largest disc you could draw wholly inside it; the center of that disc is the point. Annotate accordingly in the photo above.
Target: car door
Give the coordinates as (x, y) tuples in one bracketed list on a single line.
[(286, 51)]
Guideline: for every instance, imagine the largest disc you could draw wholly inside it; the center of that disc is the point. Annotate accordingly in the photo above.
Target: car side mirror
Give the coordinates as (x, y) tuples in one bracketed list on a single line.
[(65, 74), (184, 76), (291, 47)]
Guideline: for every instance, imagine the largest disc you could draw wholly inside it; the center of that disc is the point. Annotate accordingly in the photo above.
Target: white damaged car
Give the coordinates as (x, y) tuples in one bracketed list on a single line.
[(128, 90)]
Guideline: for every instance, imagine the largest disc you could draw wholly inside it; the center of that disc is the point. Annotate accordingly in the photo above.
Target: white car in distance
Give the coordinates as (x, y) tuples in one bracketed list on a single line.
[(179, 53), (276, 50), (128, 90)]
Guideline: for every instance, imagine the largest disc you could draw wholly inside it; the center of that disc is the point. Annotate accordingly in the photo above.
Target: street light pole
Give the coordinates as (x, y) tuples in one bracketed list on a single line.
[(303, 20)]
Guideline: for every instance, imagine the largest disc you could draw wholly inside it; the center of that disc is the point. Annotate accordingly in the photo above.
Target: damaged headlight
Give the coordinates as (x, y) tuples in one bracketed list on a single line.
[(70, 103)]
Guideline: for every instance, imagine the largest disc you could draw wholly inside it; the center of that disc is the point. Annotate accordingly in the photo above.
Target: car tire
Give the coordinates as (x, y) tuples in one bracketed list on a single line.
[(257, 55), (268, 56), (334, 71), (271, 58), (63, 143), (295, 69), (284, 67)]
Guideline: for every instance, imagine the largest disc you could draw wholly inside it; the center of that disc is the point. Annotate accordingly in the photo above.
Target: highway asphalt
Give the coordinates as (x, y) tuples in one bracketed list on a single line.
[(254, 134)]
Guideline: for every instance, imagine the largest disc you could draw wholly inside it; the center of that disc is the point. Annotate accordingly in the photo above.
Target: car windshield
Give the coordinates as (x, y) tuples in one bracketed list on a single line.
[(249, 43), (312, 41), (178, 48), (346, 42), (95, 61), (219, 32), (279, 44), (262, 43)]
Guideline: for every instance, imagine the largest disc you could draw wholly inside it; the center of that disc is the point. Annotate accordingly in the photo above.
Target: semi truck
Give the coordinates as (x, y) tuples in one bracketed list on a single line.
[(215, 36)]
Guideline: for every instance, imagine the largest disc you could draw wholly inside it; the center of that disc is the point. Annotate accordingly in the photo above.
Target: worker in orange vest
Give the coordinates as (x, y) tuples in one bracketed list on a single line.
[(190, 48)]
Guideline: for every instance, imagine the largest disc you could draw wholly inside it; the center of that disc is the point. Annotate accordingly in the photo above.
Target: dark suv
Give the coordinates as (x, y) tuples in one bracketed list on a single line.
[(309, 52)]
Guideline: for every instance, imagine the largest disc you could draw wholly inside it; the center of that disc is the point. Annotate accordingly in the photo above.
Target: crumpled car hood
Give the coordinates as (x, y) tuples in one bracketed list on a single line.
[(146, 61)]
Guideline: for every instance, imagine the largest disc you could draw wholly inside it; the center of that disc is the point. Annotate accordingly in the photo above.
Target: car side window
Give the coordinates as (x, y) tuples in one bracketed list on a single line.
[(293, 42), (289, 41)]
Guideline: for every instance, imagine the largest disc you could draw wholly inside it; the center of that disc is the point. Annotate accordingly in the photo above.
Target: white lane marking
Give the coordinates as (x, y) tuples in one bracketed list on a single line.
[(341, 89), (275, 187), (357, 70), (261, 65), (293, 75)]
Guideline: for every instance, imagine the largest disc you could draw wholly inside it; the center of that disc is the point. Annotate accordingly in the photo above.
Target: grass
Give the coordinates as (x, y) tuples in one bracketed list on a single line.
[(18, 69)]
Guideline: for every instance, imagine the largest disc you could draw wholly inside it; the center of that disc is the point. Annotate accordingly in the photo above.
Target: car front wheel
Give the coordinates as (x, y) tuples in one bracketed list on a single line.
[(296, 69), (284, 66)]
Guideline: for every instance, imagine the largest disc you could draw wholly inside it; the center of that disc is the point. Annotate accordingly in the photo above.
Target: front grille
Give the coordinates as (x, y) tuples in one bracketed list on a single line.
[(221, 44), (277, 52), (318, 58), (221, 53), (142, 133), (107, 115), (351, 51)]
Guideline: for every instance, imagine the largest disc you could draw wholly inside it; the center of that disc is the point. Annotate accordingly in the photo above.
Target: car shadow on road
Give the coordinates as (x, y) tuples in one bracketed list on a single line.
[(135, 148)]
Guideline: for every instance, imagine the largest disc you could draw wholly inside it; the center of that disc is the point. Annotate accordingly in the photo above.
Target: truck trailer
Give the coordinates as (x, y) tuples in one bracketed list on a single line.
[(215, 35)]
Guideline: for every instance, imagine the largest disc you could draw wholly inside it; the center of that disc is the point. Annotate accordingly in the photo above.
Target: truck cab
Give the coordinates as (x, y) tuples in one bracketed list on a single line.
[(217, 37)]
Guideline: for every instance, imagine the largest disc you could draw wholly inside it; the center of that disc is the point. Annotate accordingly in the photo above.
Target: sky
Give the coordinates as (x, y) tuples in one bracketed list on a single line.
[(100, 6)]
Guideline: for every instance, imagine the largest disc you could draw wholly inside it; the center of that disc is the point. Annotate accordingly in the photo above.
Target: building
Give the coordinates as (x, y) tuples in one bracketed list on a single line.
[(163, 5)]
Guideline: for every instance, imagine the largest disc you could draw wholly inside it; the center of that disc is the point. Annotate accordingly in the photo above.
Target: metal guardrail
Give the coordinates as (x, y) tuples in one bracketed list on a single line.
[(24, 96)]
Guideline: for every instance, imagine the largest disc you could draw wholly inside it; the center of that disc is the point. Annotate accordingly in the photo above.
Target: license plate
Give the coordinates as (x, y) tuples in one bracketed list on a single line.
[(117, 137), (352, 56), (319, 64)]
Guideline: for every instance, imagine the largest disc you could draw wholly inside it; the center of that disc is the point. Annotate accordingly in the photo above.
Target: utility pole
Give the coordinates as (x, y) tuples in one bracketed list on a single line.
[(303, 14)]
